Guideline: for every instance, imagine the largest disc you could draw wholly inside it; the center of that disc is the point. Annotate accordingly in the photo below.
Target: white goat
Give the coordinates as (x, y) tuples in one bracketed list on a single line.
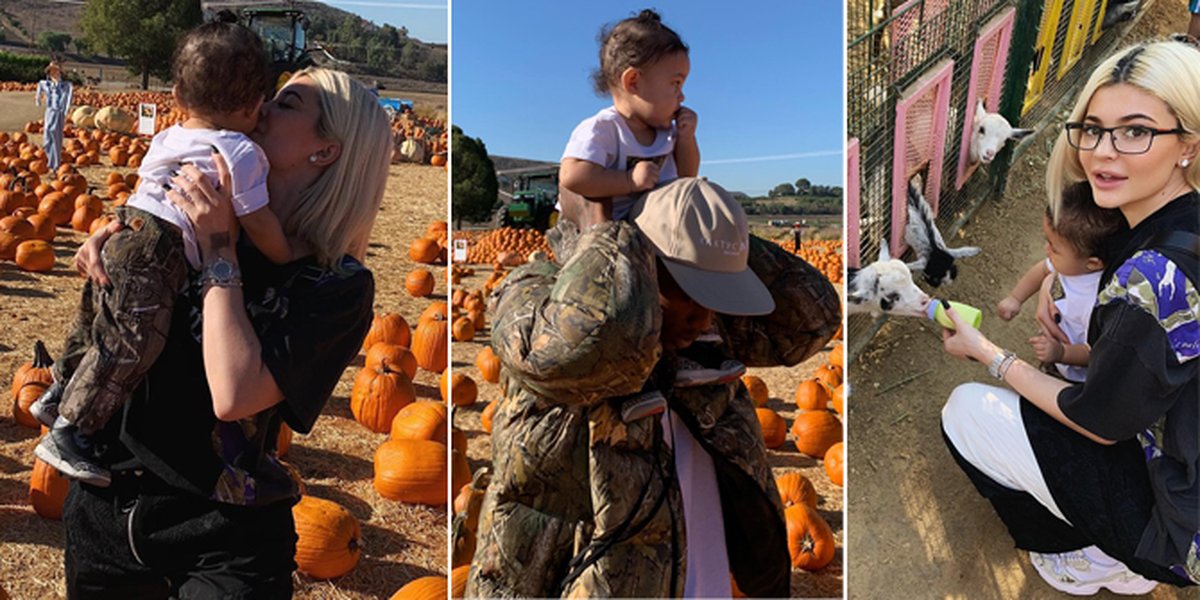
[(884, 287), (991, 132)]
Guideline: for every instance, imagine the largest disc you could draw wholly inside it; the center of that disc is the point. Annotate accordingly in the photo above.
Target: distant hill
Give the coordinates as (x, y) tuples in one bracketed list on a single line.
[(505, 163)]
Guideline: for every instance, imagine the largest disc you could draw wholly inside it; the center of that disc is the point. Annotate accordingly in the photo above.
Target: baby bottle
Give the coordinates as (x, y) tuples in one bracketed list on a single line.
[(936, 311)]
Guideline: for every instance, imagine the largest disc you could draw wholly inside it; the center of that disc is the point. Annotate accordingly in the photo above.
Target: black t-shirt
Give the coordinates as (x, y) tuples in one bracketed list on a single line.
[(310, 323), (1143, 372)]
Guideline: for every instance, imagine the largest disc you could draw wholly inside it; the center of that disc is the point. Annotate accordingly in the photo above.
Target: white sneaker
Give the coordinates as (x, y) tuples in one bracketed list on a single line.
[(1084, 572)]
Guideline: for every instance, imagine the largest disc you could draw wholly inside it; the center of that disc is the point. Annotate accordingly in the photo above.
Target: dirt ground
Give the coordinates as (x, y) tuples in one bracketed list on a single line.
[(917, 525), (401, 541), (781, 382)]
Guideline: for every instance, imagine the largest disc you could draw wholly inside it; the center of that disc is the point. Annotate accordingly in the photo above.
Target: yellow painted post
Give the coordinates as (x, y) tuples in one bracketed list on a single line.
[(1077, 35), (1041, 57)]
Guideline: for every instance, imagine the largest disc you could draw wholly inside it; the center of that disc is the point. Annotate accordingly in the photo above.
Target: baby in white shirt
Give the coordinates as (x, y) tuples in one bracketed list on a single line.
[(647, 136)]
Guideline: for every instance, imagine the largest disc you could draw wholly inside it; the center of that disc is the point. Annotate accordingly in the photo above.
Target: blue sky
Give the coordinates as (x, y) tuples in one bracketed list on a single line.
[(766, 81), (426, 20)]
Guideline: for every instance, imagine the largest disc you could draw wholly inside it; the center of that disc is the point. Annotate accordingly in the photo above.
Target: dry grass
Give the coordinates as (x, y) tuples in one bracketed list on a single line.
[(781, 381), (401, 541)]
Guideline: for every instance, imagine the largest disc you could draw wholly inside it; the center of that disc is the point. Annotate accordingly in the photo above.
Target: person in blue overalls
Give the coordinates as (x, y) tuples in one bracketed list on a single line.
[(57, 92)]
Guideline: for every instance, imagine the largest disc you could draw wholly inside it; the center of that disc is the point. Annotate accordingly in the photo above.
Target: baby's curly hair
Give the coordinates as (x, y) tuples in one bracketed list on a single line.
[(220, 67), (1087, 227), (633, 42)]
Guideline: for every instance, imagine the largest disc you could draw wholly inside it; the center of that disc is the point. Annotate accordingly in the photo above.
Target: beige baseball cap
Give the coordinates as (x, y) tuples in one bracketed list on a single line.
[(702, 235)]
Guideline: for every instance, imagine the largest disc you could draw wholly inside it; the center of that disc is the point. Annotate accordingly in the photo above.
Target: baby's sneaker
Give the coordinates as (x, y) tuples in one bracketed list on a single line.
[(45, 408), (61, 449), (703, 363), (1084, 572)]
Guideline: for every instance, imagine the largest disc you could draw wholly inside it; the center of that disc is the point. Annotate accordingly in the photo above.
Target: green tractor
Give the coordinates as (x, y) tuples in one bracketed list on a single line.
[(531, 201), (283, 33)]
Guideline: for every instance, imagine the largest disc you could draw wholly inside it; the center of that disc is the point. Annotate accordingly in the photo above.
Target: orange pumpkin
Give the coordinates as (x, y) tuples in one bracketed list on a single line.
[(458, 575), (43, 227), (815, 431), (58, 207), (395, 355), (81, 219), (430, 343), (432, 587), (810, 540), (47, 490), (488, 364), (330, 541), (29, 382), (774, 428), (463, 390), (829, 375), (835, 465), (378, 395), (464, 329), (422, 420), (284, 441), (757, 389), (839, 399), (17, 226), (837, 356), (412, 471), (424, 250), (35, 255), (811, 395), (390, 328), (419, 283), (795, 488), (8, 245), (485, 417)]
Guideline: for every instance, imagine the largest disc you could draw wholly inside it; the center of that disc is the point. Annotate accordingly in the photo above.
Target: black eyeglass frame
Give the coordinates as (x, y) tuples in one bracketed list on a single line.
[(1111, 131)]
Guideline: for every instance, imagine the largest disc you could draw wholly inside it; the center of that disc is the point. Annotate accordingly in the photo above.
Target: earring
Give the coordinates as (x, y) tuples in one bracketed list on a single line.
[(1184, 163), (312, 158)]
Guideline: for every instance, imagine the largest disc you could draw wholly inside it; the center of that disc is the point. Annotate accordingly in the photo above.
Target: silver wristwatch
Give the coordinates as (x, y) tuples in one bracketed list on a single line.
[(1000, 364), (221, 273)]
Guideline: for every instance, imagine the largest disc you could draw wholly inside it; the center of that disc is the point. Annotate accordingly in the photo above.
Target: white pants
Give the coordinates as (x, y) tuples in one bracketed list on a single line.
[(984, 424), (707, 561)]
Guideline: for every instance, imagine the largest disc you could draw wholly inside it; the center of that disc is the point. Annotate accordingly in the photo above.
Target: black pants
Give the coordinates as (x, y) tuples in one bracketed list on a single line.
[(142, 539), (1109, 504)]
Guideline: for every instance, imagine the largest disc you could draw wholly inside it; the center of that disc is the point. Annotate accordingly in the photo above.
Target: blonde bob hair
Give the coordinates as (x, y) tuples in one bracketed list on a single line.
[(1169, 70), (336, 212)]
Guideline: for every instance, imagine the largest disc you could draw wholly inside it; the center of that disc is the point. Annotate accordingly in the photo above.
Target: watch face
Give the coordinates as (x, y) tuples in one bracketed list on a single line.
[(221, 269)]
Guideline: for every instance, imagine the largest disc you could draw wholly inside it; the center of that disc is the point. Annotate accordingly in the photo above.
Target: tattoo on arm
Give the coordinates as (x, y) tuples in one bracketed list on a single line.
[(219, 240)]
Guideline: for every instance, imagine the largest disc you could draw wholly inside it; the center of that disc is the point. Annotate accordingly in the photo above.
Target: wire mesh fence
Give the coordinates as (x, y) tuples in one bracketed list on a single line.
[(915, 71)]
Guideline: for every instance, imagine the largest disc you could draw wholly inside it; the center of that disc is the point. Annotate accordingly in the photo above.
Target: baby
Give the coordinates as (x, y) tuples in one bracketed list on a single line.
[(1077, 248), (120, 331), (647, 136)]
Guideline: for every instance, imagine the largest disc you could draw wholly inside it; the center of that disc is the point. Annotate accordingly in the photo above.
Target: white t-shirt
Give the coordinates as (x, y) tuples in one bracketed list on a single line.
[(1079, 297), (176, 145), (605, 139), (704, 523)]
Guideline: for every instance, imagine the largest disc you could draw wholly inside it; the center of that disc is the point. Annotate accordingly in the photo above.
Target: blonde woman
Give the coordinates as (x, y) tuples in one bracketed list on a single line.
[(1099, 480), (241, 358)]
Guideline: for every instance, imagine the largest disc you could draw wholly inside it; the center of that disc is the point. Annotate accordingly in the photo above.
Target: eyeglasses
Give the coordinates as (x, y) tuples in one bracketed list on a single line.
[(1127, 139)]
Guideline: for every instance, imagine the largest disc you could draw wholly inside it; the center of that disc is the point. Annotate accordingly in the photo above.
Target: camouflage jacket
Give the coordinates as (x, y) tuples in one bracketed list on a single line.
[(584, 504)]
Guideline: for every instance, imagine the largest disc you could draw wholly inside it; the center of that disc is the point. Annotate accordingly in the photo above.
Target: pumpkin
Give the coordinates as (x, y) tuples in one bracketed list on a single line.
[(84, 116), (17, 226), (829, 375), (837, 356), (35, 255), (835, 463), (757, 389), (437, 229), (488, 364), (420, 421), (434, 309), (429, 344), (43, 227), (460, 574), (432, 587), (47, 490), (460, 469), (485, 417), (774, 428), (438, 160), (330, 541), (839, 399), (81, 219), (478, 318), (810, 540), (113, 118), (815, 431), (464, 329), (284, 441), (458, 439), (795, 488), (8, 245), (58, 207), (412, 471), (419, 283), (394, 355), (424, 250), (379, 394), (390, 328), (811, 395), (29, 383)]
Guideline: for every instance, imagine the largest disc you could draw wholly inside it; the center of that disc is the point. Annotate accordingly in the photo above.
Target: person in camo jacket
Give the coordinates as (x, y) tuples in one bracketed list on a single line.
[(587, 501)]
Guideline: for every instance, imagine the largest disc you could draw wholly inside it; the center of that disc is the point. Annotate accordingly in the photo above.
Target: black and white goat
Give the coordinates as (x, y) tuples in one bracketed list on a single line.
[(934, 259), (884, 287), (991, 131)]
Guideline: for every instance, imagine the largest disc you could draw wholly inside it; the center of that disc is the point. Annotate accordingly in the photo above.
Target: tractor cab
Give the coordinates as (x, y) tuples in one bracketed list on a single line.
[(283, 34)]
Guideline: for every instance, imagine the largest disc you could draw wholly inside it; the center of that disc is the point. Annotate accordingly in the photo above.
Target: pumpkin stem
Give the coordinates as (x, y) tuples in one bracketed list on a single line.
[(807, 544), (41, 357)]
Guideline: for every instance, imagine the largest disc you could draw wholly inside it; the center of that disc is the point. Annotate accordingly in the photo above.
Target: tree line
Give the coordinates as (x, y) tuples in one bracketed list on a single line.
[(804, 187)]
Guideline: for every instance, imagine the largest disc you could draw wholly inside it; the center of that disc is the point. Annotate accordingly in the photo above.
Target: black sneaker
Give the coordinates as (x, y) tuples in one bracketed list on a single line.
[(45, 408), (60, 450)]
